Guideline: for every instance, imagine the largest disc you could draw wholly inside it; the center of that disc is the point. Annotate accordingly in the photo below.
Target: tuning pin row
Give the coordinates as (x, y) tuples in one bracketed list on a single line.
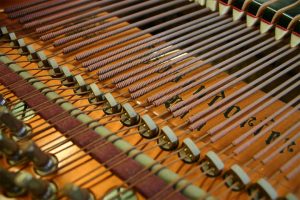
[(211, 164), (11, 150), (15, 42), (81, 87), (128, 117), (7, 183), (26, 49), (147, 128), (167, 139), (188, 151), (21, 183), (15, 153), (235, 177), (43, 163), (15, 184), (38, 188), (33, 55), (111, 106)]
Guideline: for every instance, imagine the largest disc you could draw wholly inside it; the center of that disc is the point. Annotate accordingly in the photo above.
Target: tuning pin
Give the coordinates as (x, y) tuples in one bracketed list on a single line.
[(189, 153), (236, 178), (68, 77), (48, 63), (262, 189), (148, 128), (44, 163), (97, 96), (211, 164), (168, 140), (42, 59), (7, 183), (13, 40), (17, 127), (39, 189), (32, 53), (55, 71), (111, 105), (81, 88), (74, 192), (130, 117), (22, 46), (3, 31), (11, 150)]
